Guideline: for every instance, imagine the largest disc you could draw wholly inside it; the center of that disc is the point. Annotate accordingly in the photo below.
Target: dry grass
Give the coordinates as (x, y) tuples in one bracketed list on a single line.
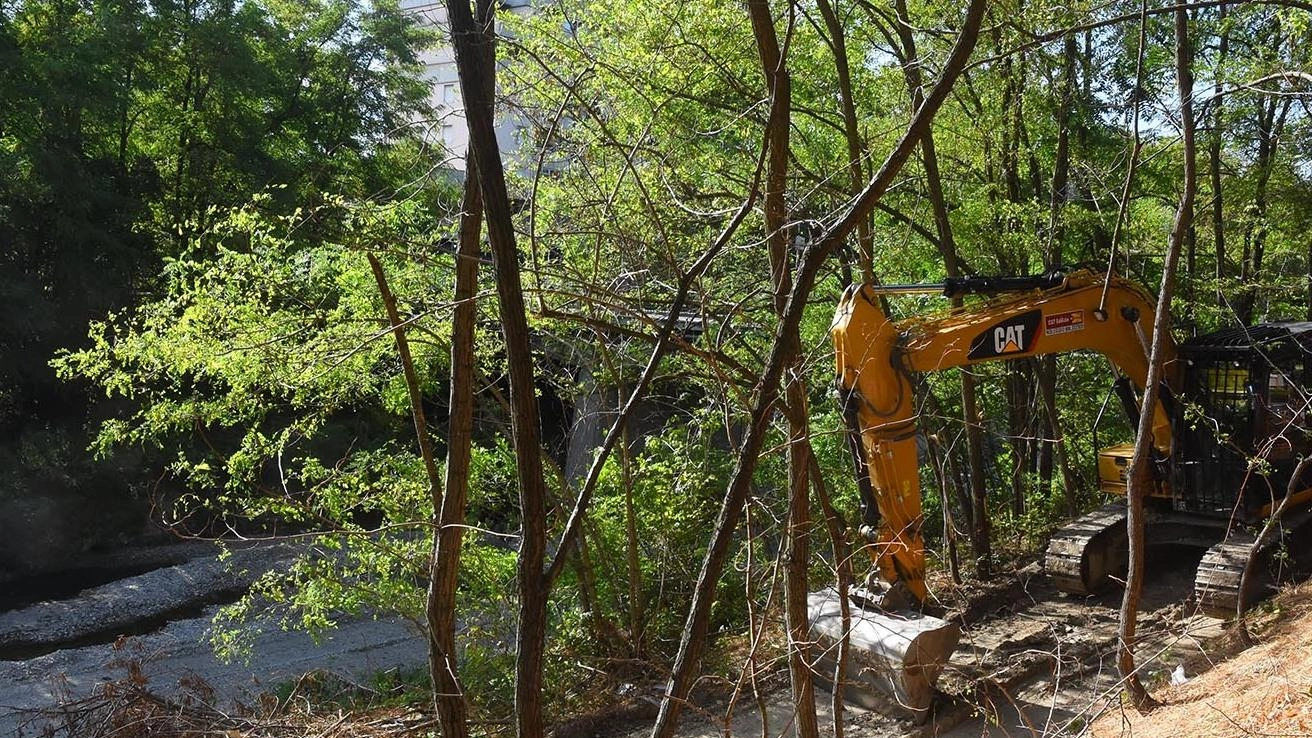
[(1265, 690)]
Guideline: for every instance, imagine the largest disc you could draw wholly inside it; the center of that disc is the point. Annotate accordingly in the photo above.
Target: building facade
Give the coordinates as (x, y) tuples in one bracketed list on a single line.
[(447, 128)]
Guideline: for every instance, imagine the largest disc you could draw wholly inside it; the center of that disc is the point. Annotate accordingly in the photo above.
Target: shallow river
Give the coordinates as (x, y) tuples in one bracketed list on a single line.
[(178, 650)]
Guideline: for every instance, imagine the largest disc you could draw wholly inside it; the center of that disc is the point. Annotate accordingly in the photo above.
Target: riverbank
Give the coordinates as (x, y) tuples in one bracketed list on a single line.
[(62, 650)]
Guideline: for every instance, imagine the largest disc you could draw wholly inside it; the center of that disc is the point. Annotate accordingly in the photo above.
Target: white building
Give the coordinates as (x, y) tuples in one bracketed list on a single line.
[(448, 126)]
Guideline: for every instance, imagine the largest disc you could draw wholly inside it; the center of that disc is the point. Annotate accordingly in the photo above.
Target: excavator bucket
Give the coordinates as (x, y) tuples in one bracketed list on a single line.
[(893, 660)]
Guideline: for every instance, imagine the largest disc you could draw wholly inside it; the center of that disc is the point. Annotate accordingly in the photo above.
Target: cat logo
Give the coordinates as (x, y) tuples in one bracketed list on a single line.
[(1011, 336), (1008, 339)]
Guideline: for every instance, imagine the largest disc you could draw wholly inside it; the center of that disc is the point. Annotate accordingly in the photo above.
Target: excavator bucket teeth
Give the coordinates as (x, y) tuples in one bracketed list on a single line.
[(894, 658)]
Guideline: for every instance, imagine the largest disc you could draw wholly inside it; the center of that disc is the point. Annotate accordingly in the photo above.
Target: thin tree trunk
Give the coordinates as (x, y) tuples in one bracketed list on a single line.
[(1019, 373), (980, 529), (783, 348), (1270, 126), (1140, 478), (1062, 166), (1012, 102), (637, 616), (1266, 162), (1267, 536), (1214, 155), (1018, 416), (851, 133), (1191, 275), (952, 265), (1046, 373), (1048, 391), (475, 62), (1309, 279), (842, 553), (953, 474), (797, 558), (449, 700), (941, 474), (1136, 148), (1047, 365), (448, 697), (774, 67), (600, 628), (664, 341)]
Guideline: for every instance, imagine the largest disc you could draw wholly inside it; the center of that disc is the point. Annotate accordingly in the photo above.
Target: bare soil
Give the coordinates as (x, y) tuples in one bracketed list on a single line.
[(1264, 690), (1032, 662)]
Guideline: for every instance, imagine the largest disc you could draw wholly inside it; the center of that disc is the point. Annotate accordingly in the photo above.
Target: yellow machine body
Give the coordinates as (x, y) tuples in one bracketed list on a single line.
[(875, 360)]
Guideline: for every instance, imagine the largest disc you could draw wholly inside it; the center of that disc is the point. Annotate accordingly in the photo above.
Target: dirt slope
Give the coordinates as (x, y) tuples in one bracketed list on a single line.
[(1265, 690)]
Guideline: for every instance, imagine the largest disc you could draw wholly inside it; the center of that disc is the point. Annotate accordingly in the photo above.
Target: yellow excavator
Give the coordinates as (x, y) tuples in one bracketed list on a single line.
[(1227, 398)]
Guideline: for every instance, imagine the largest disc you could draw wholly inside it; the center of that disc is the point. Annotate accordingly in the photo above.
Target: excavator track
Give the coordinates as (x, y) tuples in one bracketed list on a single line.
[(1083, 555), (1219, 587)]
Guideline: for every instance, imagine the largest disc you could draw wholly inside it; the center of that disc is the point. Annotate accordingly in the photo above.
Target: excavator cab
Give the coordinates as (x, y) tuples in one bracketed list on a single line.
[(1241, 418), (1245, 420)]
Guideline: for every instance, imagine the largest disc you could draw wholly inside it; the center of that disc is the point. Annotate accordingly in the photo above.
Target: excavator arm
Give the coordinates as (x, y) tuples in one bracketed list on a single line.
[(1024, 317), (897, 651)]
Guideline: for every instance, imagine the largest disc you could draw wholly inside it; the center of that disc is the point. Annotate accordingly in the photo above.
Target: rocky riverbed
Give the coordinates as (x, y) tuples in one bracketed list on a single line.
[(65, 647)]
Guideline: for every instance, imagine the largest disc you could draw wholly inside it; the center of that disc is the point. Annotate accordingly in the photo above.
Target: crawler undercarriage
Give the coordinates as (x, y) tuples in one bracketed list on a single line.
[(1091, 554)]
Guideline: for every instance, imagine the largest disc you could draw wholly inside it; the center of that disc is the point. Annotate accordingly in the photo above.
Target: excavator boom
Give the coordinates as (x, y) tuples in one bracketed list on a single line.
[(875, 358)]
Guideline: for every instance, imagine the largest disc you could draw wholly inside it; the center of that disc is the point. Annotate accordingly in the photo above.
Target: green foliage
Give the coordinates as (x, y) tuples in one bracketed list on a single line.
[(677, 481), (196, 181), (125, 129), (666, 108), (267, 349)]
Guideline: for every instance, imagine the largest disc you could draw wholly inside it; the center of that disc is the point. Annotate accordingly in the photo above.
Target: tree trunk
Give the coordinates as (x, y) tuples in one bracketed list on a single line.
[(1019, 406), (1046, 374), (851, 133), (952, 265), (1048, 390), (1047, 365), (842, 553), (941, 477), (449, 700), (1271, 530), (774, 68), (1019, 373), (1266, 162), (1140, 477), (1062, 166), (1214, 156), (448, 697), (475, 62), (1272, 111), (797, 557), (980, 529), (637, 606), (783, 351)]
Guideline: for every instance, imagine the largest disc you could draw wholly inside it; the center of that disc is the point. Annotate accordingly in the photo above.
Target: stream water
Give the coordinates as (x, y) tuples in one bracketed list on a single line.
[(169, 643)]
